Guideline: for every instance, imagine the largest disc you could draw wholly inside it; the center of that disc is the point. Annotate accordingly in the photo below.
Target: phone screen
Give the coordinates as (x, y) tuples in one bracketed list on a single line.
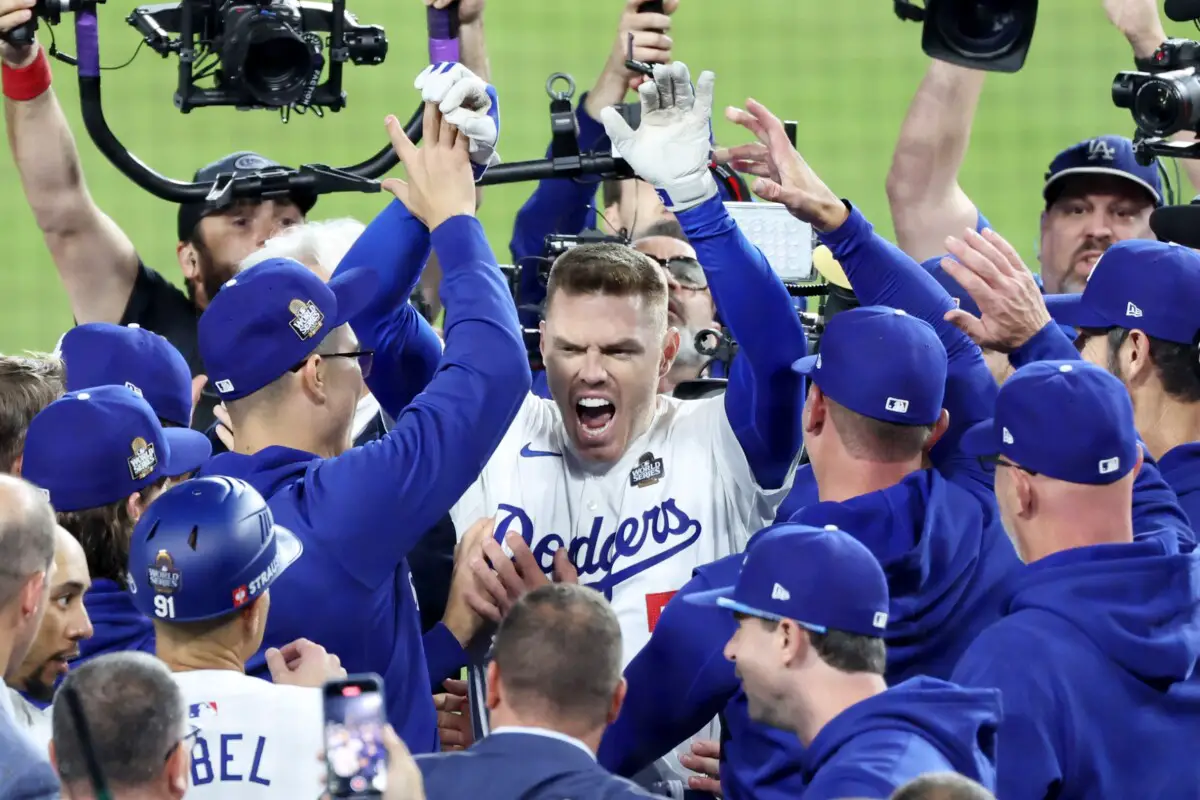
[(355, 756)]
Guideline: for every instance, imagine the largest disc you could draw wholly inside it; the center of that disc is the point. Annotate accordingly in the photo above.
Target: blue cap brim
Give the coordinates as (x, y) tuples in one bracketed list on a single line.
[(806, 365), (980, 439), (710, 598), (354, 291), (287, 547), (1070, 310), (189, 449)]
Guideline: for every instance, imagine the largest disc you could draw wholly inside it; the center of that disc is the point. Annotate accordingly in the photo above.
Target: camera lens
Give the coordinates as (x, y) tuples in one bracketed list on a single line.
[(980, 28), (277, 66), (1164, 106)]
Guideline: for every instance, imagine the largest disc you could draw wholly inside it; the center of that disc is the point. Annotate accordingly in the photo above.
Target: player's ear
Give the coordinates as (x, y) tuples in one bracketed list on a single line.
[(179, 764), (815, 409), (542, 339), (495, 689), (618, 700), (670, 350), (939, 429)]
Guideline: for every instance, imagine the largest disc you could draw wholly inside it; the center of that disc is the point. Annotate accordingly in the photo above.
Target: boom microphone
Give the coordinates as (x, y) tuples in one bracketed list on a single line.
[(443, 33), (1182, 10)]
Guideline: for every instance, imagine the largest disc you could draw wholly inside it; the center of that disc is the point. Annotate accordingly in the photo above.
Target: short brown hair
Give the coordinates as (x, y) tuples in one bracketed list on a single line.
[(28, 384), (558, 652), (609, 269), (876, 440), (104, 533)]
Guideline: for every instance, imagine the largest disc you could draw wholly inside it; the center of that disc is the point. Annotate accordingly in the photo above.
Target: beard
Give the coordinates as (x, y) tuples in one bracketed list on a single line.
[(213, 274), (38, 689)]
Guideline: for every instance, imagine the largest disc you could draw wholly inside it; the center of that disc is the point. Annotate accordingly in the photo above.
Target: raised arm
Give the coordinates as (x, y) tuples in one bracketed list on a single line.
[(95, 259), (926, 201), (442, 439), (671, 150)]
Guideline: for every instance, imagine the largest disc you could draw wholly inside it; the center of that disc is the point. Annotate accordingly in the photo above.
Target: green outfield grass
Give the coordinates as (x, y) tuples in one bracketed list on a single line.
[(845, 69)]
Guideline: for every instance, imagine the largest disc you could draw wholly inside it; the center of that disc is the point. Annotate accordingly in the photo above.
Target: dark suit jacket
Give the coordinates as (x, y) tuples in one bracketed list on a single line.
[(522, 766), (25, 773)]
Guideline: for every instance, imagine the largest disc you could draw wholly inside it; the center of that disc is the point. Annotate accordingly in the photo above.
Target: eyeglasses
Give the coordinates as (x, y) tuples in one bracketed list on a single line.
[(188, 740), (687, 271), (989, 464), (366, 358)]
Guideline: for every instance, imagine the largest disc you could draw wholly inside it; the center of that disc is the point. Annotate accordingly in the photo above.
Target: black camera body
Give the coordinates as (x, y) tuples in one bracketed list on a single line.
[(1165, 98), (261, 53), (992, 35)]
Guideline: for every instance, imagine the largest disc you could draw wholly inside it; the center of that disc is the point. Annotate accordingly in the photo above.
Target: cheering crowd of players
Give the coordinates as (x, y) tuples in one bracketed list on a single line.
[(948, 555)]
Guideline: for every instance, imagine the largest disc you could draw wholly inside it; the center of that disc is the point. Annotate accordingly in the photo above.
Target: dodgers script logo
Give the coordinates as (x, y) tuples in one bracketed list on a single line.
[(594, 554)]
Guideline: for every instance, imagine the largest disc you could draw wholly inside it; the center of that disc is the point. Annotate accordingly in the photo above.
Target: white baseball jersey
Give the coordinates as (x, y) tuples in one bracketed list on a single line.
[(257, 739), (682, 495)]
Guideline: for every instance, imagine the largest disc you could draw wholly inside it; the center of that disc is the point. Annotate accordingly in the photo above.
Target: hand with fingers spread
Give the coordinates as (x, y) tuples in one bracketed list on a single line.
[(461, 617), (454, 724), (651, 45), (440, 182), (470, 104), (1011, 305), (672, 148), (303, 663), (505, 573), (783, 176)]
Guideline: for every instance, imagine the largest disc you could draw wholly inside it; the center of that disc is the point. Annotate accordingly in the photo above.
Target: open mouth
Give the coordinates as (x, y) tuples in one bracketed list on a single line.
[(596, 415)]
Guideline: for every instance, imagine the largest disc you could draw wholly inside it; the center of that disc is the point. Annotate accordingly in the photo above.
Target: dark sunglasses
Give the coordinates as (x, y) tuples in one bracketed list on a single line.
[(366, 358), (990, 463), (687, 271)]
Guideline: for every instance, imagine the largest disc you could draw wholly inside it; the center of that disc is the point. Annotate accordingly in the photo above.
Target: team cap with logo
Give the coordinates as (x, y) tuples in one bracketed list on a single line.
[(821, 578), (881, 363), (1104, 155), (269, 318), (92, 448), (205, 548)]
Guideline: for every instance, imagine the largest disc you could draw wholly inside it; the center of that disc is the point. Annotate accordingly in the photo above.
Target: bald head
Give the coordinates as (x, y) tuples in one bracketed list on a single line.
[(942, 786), (27, 534)]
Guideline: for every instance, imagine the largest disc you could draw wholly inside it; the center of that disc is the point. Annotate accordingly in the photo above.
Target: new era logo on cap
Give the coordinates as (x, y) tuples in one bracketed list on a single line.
[(1006, 436), (1132, 311), (780, 593)]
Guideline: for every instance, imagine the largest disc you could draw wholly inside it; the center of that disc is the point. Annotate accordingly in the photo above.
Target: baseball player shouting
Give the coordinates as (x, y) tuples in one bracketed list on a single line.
[(639, 489), (201, 564)]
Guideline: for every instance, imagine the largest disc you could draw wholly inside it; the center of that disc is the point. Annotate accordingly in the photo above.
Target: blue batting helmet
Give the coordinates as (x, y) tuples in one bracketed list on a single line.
[(206, 548)]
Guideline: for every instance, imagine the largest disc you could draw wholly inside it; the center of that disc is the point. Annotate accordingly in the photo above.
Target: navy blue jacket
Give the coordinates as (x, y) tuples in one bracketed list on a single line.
[(1180, 468), (351, 590), (919, 726), (528, 766), (1097, 659)]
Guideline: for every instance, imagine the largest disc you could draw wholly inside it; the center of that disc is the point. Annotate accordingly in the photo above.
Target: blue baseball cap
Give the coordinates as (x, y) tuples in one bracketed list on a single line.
[(1138, 283), (269, 318), (881, 363), (1104, 155), (92, 448), (1069, 420), (821, 578), (102, 354), (205, 548)]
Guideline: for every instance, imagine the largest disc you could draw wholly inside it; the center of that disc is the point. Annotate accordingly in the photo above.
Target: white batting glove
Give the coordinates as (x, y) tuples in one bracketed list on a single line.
[(468, 103), (671, 148)]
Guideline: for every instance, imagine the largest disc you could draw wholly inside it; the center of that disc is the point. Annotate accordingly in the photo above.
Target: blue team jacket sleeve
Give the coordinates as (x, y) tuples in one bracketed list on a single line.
[(442, 439), (881, 274), (1155, 504), (395, 246), (558, 205), (1027, 762), (762, 395), (676, 684), (444, 656)]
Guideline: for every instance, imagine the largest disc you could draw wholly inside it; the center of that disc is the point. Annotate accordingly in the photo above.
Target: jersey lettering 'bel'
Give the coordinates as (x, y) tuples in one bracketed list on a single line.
[(682, 495), (253, 736)]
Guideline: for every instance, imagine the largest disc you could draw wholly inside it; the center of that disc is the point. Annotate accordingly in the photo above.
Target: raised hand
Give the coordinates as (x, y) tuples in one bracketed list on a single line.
[(1011, 305), (671, 148), (440, 183), (783, 175), (468, 103)]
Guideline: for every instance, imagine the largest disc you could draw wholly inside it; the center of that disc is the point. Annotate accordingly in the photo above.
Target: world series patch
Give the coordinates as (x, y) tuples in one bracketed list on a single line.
[(649, 471), (164, 578)]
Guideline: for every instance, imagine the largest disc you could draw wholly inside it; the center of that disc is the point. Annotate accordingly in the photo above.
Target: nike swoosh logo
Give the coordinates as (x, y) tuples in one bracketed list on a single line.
[(529, 452)]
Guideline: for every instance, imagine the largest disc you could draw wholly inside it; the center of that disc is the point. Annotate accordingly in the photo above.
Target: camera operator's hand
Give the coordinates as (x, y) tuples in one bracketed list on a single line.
[(783, 176), (12, 14), (1138, 22), (651, 45), (1011, 305), (671, 148), (440, 184), (469, 11), (470, 104)]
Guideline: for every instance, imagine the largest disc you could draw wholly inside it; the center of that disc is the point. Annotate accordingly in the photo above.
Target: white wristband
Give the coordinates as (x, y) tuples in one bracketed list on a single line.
[(689, 193)]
